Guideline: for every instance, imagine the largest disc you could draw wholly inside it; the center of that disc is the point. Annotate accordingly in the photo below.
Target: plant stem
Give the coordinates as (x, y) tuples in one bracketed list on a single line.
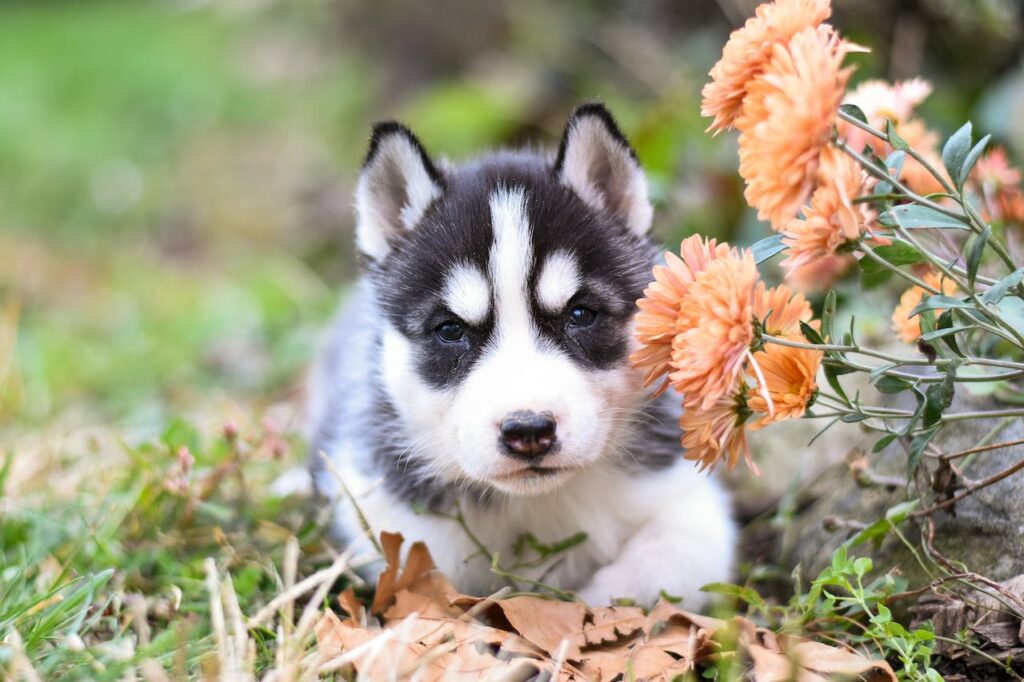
[(912, 153), (972, 488), (883, 174), (938, 363), (983, 448), (991, 414)]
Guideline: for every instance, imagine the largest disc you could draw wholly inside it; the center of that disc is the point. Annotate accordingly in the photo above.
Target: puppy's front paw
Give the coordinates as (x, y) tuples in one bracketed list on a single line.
[(608, 584)]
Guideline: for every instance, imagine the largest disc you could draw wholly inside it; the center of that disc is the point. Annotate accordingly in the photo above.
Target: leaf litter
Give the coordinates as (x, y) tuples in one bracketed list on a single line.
[(419, 625)]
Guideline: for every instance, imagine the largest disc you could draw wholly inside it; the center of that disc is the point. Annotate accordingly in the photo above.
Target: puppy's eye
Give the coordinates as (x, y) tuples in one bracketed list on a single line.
[(450, 332), (580, 316)]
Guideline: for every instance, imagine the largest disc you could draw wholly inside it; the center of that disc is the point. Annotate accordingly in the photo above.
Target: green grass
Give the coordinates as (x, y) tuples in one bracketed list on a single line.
[(97, 583)]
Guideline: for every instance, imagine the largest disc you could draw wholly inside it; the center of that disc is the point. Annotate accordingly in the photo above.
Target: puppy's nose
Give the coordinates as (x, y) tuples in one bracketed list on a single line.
[(528, 435)]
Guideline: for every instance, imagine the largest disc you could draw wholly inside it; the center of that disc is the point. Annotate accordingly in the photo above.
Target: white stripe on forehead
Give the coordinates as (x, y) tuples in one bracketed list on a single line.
[(558, 282), (511, 258), (467, 294)]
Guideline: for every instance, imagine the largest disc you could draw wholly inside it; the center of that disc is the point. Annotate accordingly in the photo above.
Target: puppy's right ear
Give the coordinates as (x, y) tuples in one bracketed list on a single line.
[(396, 186)]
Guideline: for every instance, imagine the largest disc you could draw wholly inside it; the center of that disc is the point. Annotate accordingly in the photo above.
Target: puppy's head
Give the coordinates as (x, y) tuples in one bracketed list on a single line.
[(507, 288)]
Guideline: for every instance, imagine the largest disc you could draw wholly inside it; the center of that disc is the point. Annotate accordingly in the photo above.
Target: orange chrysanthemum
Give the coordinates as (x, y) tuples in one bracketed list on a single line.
[(716, 317), (832, 219), (657, 323), (780, 312), (789, 375), (749, 49), (716, 433), (909, 328), (787, 120)]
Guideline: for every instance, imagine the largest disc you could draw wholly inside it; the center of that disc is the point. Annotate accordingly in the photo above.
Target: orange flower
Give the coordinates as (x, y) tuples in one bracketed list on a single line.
[(787, 120), (716, 317), (909, 328), (881, 101), (780, 312), (832, 219), (789, 375), (657, 323), (716, 433), (748, 51), (820, 274)]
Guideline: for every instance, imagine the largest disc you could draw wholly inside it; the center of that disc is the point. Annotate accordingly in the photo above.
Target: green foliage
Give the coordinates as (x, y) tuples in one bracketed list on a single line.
[(846, 603), (76, 577)]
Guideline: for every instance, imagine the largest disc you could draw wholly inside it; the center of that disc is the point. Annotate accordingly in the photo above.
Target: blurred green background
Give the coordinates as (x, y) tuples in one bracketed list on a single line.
[(175, 177)]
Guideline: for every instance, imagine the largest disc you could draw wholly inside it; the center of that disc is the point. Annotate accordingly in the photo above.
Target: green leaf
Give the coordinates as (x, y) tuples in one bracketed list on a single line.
[(883, 442), (828, 314), (1012, 311), (972, 158), (876, 531), (810, 333), (939, 302), (854, 418), (947, 332), (854, 111), (890, 384), (938, 397), (956, 149), (894, 162), (996, 292), (917, 446), (974, 254), (745, 594), (873, 280), (897, 142), (883, 615), (833, 380), (839, 560), (899, 253), (914, 217), (767, 247)]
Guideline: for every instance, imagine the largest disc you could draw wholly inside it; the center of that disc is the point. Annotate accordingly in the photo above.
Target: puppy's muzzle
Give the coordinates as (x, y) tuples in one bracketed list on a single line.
[(528, 435)]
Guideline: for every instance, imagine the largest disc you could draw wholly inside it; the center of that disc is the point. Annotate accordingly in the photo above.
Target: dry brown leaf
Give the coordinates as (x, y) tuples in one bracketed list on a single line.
[(546, 623), (610, 624), (352, 606), (429, 630), (417, 563)]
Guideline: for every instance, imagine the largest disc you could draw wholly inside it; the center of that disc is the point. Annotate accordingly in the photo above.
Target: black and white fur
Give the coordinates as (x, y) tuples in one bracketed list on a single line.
[(510, 248)]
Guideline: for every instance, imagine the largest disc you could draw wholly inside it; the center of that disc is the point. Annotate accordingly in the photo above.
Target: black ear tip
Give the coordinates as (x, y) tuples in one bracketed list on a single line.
[(383, 130), (593, 108), (599, 111)]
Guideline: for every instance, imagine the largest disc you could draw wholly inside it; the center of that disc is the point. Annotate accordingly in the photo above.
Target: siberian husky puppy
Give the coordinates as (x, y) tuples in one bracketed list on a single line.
[(475, 392)]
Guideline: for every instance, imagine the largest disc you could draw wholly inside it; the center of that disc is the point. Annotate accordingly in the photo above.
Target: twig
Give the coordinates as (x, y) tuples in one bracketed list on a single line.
[(971, 489), (983, 448)]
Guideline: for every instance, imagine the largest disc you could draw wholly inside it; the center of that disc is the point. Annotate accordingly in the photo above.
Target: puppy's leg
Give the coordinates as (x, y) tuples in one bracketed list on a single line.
[(686, 542)]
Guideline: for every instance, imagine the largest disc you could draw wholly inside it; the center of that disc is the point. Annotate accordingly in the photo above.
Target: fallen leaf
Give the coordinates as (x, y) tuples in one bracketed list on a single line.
[(425, 628)]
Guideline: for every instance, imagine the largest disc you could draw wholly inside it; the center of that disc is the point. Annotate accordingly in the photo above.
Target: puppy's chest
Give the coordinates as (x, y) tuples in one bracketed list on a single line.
[(559, 539)]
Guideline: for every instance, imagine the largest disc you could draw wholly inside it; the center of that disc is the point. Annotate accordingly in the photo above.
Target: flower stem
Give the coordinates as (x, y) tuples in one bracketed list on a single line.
[(939, 362), (883, 174), (912, 153)]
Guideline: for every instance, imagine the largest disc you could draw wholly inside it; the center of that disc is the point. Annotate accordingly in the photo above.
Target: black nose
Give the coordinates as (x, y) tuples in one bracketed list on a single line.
[(528, 435)]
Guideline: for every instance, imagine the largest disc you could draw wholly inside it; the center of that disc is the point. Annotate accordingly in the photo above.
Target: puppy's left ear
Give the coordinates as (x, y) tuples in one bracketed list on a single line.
[(596, 161)]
